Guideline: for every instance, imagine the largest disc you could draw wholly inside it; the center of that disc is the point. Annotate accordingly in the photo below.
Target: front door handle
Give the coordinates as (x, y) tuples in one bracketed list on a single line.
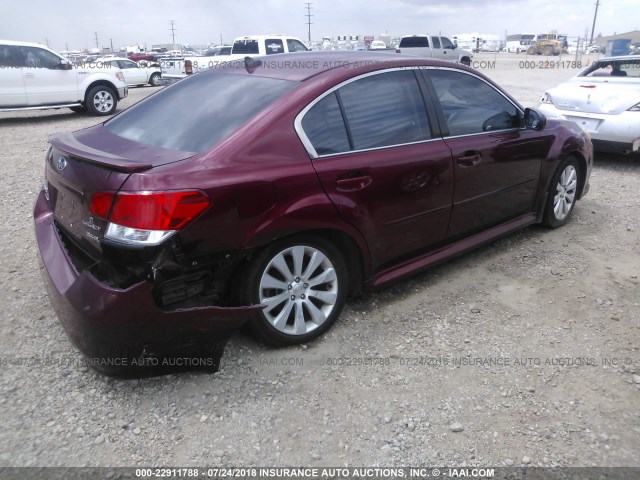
[(354, 183), (469, 159)]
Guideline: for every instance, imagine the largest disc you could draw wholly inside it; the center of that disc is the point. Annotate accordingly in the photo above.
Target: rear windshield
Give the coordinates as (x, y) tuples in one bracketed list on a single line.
[(245, 47), (409, 42), (198, 112)]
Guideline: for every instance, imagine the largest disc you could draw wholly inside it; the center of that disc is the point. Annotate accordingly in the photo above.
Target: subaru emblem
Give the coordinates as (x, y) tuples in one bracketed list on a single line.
[(62, 163)]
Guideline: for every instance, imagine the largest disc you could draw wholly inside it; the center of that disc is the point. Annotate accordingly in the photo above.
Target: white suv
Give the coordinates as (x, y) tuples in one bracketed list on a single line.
[(32, 77)]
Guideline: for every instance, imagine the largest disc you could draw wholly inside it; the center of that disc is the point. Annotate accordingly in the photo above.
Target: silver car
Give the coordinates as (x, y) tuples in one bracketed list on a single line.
[(604, 99)]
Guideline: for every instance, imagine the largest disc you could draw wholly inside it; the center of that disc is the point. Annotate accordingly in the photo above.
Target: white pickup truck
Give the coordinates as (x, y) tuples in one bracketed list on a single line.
[(253, 45), (32, 77), (433, 46)]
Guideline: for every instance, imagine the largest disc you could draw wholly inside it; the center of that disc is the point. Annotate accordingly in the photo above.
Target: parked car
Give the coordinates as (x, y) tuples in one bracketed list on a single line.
[(266, 195), (218, 50), (604, 99), (433, 46), (141, 73), (254, 45), (377, 45), (33, 77)]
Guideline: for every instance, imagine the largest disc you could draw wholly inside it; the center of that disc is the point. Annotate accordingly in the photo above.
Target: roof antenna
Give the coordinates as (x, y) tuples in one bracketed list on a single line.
[(250, 64)]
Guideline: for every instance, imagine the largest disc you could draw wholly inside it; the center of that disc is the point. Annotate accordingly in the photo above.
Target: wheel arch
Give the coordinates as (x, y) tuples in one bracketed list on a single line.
[(352, 251), (101, 82)]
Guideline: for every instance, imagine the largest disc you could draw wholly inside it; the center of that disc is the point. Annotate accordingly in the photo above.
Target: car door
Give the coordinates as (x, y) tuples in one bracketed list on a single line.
[(133, 74), (436, 47), (46, 80), (12, 91), (448, 49), (496, 162), (380, 163)]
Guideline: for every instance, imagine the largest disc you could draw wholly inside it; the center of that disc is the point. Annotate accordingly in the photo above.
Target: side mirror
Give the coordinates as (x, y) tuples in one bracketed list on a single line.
[(64, 65), (534, 120)]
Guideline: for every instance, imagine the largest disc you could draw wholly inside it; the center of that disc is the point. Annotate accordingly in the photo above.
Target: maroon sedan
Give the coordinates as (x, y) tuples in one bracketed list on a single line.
[(266, 192)]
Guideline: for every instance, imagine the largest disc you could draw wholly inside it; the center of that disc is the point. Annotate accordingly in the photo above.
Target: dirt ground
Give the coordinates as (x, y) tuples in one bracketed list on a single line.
[(525, 352)]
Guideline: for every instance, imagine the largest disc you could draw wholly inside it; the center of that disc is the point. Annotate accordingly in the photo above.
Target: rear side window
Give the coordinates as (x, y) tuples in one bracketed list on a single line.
[(245, 47), (198, 112), (380, 110), (385, 109), (408, 42), (273, 46), (470, 105), (8, 57), (436, 42), (325, 128)]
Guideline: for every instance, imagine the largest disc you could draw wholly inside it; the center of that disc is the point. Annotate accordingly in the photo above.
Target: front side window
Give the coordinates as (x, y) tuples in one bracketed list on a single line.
[(127, 64), (471, 105), (274, 46), (33, 57), (446, 43), (436, 42), (296, 46)]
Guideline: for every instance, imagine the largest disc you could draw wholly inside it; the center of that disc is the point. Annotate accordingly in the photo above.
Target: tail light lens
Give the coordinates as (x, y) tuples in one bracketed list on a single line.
[(188, 67), (398, 50), (147, 218), (546, 98)]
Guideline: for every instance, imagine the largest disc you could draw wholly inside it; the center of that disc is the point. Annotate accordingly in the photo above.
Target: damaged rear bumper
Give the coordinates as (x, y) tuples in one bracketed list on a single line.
[(119, 330)]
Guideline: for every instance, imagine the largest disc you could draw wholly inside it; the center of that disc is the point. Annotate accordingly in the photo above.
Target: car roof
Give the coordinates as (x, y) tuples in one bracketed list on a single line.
[(618, 58), (23, 44), (300, 66)]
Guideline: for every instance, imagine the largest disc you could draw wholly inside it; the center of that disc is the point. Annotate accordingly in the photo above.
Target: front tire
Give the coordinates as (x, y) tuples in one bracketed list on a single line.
[(101, 100), (154, 80), (303, 282), (563, 193)]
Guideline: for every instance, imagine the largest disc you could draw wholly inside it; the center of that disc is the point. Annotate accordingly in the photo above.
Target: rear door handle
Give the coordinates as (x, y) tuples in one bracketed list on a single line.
[(469, 159), (28, 75), (354, 184)]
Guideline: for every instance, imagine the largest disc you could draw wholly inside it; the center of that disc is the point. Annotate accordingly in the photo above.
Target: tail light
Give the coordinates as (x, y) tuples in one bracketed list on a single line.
[(398, 50), (147, 218), (188, 67), (546, 98)]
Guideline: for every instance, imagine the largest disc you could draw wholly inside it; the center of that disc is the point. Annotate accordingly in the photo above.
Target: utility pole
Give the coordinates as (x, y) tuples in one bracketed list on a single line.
[(308, 15), (595, 15), (111, 39), (96, 34), (173, 33)]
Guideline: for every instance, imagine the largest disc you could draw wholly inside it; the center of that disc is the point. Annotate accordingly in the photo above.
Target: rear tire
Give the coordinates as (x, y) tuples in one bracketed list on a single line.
[(101, 100), (303, 281), (548, 51), (562, 194), (532, 51)]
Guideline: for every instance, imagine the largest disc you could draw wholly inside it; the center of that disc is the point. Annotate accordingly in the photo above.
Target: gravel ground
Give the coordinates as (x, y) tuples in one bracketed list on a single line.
[(386, 386)]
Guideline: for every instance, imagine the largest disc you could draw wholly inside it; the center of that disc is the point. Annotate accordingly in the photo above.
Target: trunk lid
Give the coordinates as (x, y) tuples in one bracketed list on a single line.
[(93, 160), (594, 95)]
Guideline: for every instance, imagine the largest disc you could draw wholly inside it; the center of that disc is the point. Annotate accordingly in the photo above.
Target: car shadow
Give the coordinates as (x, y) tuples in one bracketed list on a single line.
[(617, 162)]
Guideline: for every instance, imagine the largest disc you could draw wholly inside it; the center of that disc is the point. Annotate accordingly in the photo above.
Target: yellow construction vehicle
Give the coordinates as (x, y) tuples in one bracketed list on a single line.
[(546, 44)]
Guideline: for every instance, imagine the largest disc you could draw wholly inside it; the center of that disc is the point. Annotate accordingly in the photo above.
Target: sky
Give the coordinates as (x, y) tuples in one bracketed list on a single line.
[(73, 23)]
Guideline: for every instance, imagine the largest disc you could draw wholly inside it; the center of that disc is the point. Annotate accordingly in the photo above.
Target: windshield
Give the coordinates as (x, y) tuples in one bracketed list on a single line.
[(198, 112)]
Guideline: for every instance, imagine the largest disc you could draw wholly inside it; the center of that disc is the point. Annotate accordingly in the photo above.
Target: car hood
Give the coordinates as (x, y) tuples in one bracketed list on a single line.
[(100, 146), (596, 95)]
